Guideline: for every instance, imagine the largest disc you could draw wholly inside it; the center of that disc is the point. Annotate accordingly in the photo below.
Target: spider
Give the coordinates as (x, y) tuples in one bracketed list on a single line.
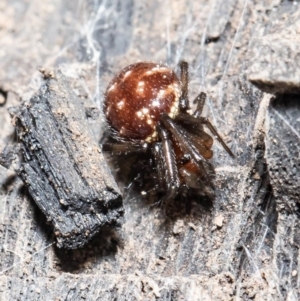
[(147, 109)]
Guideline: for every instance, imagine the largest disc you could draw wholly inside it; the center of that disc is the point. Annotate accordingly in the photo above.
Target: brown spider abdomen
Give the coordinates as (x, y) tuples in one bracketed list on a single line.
[(137, 96)]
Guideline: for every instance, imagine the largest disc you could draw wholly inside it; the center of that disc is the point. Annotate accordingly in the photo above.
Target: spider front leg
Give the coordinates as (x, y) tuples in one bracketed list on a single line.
[(184, 78), (169, 164), (184, 98), (196, 119), (200, 101), (205, 121), (198, 122)]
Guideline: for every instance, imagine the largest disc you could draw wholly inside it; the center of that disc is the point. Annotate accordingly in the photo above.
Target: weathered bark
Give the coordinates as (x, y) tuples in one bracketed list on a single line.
[(247, 246)]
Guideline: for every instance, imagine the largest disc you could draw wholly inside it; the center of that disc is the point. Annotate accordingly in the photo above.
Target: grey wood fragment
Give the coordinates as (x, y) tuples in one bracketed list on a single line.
[(274, 65)]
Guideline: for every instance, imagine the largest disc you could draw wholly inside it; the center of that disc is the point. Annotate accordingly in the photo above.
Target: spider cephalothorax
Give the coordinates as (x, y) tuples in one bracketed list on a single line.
[(146, 107)]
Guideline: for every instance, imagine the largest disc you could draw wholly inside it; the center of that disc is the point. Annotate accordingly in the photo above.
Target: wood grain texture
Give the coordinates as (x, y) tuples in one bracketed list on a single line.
[(246, 247)]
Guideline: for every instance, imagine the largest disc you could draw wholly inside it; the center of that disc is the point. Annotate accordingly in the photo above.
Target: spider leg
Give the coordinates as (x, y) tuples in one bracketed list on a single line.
[(200, 101), (124, 147), (203, 120), (184, 78), (171, 172), (158, 155), (182, 136)]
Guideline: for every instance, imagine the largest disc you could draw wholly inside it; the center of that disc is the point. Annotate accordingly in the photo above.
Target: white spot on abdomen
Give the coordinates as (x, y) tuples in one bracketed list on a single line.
[(120, 104)]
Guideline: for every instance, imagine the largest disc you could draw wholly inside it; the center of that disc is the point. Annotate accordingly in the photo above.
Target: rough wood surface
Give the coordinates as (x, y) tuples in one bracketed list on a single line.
[(247, 246), (63, 166)]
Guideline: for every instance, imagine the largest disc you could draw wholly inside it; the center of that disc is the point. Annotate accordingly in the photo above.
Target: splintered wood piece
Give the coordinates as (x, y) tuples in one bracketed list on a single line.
[(63, 166)]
